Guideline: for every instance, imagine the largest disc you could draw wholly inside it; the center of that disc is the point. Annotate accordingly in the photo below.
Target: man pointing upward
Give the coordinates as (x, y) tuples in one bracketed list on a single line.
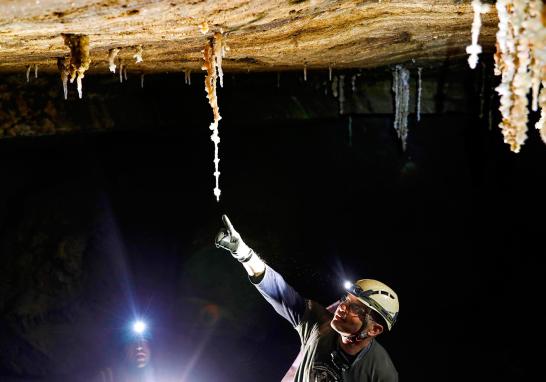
[(338, 347)]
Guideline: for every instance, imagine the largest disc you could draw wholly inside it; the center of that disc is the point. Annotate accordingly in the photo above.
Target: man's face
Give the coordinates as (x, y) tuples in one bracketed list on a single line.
[(139, 353), (349, 316)]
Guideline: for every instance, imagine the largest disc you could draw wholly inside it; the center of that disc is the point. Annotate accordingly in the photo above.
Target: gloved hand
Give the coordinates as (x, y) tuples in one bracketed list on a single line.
[(230, 239)]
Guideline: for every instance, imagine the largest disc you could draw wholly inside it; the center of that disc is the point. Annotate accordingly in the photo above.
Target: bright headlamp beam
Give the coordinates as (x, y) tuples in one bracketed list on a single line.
[(139, 327), (347, 284)]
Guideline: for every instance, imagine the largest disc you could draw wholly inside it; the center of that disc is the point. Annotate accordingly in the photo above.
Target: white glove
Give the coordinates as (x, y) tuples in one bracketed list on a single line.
[(230, 239)]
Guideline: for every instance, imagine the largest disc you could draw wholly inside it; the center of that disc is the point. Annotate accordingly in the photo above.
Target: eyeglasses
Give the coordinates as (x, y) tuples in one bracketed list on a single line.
[(353, 307)]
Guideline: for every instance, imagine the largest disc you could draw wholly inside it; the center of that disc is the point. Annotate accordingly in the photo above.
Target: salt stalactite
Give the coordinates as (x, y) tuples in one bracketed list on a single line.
[(79, 57), (538, 67), (350, 131), (63, 64), (120, 63), (124, 72), (476, 49), (112, 54), (330, 73), (138, 55), (305, 72), (142, 80), (541, 124), (520, 55), (537, 32), (36, 71), (187, 76), (341, 98), (210, 88), (400, 88), (535, 84), (419, 84), (220, 49), (28, 73), (353, 83), (504, 65), (335, 87)]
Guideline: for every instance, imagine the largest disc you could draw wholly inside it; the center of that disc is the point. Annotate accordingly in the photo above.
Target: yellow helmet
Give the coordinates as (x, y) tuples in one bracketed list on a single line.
[(377, 296)]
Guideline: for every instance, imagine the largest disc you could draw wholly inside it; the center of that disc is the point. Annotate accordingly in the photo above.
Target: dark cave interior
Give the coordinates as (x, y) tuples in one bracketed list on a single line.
[(116, 216)]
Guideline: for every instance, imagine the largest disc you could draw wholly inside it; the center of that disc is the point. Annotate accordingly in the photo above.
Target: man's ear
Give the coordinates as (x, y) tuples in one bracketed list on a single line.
[(375, 329)]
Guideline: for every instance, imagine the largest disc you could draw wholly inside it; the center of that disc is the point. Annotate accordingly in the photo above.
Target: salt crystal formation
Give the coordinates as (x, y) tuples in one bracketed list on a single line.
[(520, 60), (214, 50), (121, 66), (63, 64), (187, 76), (220, 49), (79, 57), (341, 98), (112, 53), (419, 85), (400, 87), (476, 49)]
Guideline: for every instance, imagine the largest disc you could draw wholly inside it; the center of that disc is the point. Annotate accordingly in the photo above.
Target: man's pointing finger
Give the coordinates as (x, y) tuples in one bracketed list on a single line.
[(228, 225)]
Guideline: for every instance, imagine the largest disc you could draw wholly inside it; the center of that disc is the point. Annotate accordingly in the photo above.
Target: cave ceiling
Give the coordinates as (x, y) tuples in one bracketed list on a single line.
[(262, 35)]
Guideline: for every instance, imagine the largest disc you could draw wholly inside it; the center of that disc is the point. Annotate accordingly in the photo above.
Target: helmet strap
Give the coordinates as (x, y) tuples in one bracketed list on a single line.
[(359, 336)]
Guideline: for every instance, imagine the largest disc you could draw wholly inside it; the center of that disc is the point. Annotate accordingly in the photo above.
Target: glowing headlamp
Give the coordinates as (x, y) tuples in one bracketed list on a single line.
[(139, 327)]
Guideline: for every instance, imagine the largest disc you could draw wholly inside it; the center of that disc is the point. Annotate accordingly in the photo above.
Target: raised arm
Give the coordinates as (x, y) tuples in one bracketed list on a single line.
[(286, 301)]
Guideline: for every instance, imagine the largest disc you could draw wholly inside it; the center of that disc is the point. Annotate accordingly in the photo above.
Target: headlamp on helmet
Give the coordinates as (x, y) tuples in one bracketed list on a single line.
[(378, 297)]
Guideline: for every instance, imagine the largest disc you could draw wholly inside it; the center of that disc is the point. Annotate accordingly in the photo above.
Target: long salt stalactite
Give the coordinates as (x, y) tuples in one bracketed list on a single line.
[(121, 67), (341, 93), (213, 67), (79, 57), (419, 86), (537, 29), (520, 61), (63, 64), (474, 49), (400, 87)]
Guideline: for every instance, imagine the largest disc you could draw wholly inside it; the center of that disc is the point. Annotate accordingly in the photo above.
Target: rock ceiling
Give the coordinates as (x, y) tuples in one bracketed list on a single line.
[(262, 35)]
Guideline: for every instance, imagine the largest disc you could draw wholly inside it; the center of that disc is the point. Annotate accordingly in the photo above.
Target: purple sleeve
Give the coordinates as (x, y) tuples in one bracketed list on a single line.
[(286, 301)]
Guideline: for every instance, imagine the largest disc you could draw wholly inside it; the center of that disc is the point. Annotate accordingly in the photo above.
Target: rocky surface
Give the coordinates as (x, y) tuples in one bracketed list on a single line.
[(262, 35)]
